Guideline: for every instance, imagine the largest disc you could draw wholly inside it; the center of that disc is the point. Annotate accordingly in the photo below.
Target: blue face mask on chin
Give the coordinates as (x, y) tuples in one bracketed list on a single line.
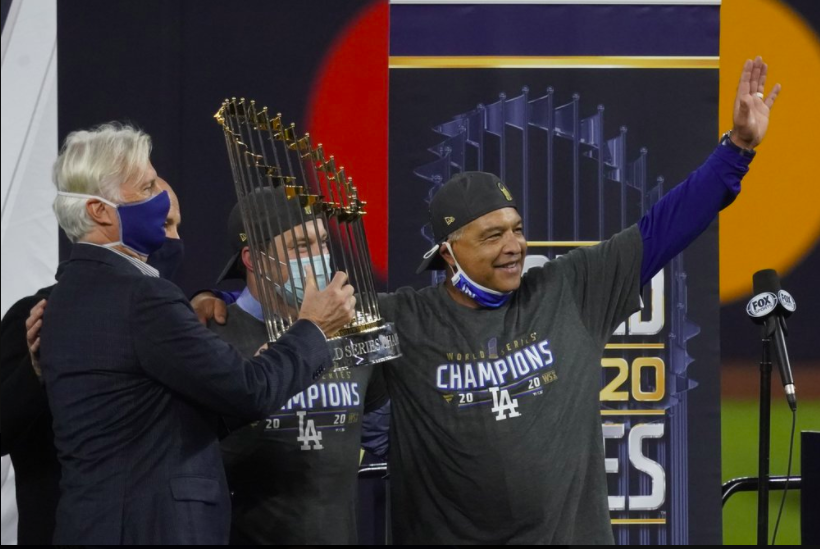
[(485, 297), (142, 224)]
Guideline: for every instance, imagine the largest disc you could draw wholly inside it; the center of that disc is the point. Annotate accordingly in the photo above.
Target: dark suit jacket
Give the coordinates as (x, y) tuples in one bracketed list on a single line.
[(135, 384), (26, 424)]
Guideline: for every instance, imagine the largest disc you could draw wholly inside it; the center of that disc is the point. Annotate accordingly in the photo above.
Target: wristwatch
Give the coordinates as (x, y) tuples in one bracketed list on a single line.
[(727, 142)]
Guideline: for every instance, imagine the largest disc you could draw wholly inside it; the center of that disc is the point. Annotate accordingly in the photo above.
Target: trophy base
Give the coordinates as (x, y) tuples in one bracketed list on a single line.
[(378, 344)]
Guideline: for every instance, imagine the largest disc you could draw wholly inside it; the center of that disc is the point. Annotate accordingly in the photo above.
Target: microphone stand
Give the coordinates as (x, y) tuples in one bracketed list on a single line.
[(764, 449), (769, 307)]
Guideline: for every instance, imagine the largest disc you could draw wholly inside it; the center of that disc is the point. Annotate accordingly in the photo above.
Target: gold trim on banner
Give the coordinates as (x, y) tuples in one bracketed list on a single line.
[(638, 521), (633, 412), (636, 346), (553, 62)]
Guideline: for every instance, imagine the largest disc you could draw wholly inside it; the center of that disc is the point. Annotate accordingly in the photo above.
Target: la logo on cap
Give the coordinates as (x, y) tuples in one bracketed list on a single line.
[(243, 237), (449, 220), (504, 190)]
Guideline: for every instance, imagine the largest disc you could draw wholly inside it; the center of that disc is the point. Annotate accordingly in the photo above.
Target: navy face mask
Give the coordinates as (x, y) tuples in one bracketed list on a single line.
[(168, 258), (142, 224)]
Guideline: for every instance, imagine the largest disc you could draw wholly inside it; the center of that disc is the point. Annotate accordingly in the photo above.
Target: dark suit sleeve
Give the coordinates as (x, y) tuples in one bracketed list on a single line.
[(23, 398), (179, 352)]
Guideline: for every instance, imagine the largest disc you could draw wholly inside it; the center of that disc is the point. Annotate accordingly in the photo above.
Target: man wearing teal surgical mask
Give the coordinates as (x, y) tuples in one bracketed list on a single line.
[(293, 475), (289, 248)]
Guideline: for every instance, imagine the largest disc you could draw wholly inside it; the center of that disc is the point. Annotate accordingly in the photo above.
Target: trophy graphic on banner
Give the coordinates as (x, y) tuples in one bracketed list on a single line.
[(289, 190)]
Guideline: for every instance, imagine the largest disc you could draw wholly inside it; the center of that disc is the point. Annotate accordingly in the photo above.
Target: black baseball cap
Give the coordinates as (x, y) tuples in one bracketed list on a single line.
[(464, 198), (271, 212)]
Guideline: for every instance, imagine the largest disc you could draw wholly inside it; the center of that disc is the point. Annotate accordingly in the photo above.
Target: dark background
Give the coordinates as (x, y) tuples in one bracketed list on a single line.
[(167, 65)]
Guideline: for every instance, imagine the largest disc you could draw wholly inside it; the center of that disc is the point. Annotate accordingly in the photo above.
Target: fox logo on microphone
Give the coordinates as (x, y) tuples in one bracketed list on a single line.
[(761, 304), (786, 299)]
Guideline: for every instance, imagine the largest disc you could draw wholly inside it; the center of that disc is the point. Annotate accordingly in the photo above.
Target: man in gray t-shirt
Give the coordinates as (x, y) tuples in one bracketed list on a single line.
[(496, 429), (497, 426)]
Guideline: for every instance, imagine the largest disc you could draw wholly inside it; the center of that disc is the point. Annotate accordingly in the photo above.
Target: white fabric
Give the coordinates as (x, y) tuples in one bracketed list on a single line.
[(9, 504), (28, 227), (29, 136), (81, 195), (142, 266)]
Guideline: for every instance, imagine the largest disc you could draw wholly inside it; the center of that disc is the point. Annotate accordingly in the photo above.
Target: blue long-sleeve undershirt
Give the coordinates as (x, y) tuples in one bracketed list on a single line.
[(679, 217), (687, 210)]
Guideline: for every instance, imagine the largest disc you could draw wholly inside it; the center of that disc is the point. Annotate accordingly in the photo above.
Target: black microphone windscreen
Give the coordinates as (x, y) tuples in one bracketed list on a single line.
[(766, 280)]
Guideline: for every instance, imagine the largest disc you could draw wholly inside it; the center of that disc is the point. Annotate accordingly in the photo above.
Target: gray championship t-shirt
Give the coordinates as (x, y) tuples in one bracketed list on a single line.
[(496, 426), (293, 476)]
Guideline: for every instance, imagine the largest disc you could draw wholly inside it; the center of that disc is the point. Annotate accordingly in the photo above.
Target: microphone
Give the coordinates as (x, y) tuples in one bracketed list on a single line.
[(770, 307)]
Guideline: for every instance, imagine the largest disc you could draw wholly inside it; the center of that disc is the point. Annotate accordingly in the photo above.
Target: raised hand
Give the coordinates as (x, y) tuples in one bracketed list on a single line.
[(752, 111)]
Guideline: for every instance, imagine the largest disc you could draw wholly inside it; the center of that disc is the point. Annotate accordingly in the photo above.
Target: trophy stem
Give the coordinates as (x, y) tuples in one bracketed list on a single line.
[(354, 228), (360, 235), (280, 201), (275, 326), (361, 269), (332, 177), (311, 176), (312, 211)]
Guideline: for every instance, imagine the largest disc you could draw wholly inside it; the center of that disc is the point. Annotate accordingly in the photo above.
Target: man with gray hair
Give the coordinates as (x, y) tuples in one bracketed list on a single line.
[(135, 383), (28, 438)]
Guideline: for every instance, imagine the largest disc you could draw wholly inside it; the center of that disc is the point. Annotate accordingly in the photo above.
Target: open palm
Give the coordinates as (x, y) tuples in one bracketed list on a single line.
[(751, 112)]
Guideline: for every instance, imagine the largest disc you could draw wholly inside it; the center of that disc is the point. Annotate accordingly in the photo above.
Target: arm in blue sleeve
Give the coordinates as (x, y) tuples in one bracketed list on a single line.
[(683, 214), (375, 431), (227, 297)]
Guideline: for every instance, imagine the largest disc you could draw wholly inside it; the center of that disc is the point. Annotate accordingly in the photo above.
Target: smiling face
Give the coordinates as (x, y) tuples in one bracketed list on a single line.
[(491, 250)]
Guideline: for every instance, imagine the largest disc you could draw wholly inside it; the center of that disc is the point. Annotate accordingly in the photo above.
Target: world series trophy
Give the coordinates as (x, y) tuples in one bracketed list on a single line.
[(290, 192)]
